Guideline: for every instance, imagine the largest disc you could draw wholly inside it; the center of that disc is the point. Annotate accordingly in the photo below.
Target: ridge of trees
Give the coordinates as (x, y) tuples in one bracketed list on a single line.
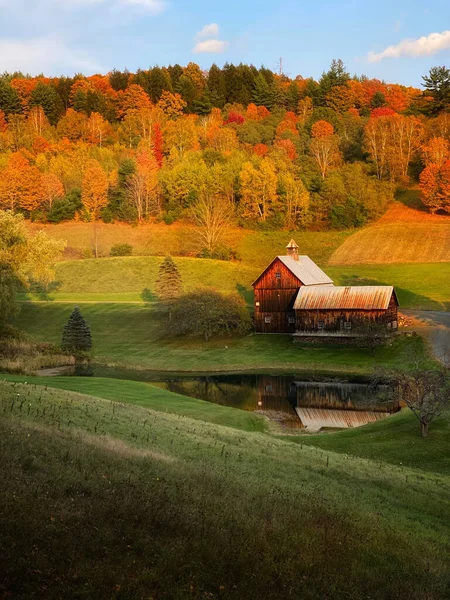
[(177, 142)]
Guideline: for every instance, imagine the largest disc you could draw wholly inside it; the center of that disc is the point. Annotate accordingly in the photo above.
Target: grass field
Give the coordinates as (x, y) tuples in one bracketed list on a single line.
[(133, 335), (132, 279), (200, 510)]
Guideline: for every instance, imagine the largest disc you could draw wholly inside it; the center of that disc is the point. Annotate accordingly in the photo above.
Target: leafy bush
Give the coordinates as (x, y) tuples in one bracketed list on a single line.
[(220, 253), (347, 215), (206, 312), (121, 250), (87, 253)]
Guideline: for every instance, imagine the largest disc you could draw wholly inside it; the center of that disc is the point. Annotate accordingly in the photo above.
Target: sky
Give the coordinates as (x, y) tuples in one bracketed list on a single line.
[(396, 41)]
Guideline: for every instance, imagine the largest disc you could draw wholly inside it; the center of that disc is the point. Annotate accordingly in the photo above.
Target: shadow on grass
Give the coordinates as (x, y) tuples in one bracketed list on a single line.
[(245, 293), (406, 298), (42, 292)]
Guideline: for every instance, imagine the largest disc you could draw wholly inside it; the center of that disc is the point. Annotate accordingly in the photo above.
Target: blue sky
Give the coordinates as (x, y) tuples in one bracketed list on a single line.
[(397, 41)]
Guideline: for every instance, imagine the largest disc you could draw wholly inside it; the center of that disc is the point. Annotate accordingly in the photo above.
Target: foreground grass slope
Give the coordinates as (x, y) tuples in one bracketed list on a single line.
[(134, 336), (110, 500)]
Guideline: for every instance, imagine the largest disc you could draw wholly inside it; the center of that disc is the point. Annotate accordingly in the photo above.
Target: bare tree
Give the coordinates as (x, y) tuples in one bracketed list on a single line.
[(142, 192), (425, 392), (213, 215)]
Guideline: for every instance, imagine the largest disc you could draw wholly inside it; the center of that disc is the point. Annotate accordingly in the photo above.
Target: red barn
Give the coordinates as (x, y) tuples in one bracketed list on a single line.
[(293, 295), (277, 287)]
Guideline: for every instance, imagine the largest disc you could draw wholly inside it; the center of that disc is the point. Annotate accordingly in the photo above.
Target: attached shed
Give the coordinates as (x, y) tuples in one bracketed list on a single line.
[(345, 311)]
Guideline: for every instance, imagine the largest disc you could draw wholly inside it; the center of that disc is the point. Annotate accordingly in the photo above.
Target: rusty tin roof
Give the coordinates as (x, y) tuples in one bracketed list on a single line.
[(357, 297)]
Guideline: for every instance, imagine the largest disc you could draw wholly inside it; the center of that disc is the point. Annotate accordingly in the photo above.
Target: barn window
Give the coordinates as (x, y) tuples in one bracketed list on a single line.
[(291, 320), (269, 388), (256, 303), (347, 325), (321, 325), (278, 275), (267, 319)]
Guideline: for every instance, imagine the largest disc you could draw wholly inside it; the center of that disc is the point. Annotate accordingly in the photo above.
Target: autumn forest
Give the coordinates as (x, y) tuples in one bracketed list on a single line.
[(237, 143)]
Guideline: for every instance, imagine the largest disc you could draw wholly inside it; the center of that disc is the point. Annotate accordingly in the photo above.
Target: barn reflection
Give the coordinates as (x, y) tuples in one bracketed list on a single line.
[(315, 406), (292, 403)]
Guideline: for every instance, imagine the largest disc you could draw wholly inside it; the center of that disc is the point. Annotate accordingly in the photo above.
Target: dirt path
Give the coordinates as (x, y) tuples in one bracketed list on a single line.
[(434, 326)]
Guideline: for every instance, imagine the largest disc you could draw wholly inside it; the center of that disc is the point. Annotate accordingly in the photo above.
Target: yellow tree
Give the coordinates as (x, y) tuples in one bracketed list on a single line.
[(20, 185), (172, 105), (258, 190), (52, 188), (181, 135), (94, 194), (295, 199), (376, 143), (98, 128), (324, 146)]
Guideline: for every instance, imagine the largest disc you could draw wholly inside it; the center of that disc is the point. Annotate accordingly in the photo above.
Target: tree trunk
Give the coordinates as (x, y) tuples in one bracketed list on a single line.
[(95, 239), (424, 429)]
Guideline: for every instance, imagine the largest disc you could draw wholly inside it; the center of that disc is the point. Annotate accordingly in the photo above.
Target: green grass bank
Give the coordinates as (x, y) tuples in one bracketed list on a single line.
[(200, 510)]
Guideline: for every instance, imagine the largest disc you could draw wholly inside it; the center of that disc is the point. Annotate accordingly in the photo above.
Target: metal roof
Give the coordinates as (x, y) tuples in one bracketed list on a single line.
[(306, 270), (358, 297)]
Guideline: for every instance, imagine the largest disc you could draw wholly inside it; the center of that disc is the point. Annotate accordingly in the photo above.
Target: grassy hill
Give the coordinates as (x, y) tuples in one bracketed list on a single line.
[(104, 499), (132, 279), (133, 336)]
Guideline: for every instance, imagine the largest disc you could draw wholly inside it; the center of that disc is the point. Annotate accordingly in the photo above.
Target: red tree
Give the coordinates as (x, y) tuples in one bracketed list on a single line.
[(157, 144)]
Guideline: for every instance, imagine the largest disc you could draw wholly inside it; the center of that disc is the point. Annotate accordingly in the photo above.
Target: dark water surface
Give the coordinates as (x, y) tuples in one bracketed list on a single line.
[(286, 399)]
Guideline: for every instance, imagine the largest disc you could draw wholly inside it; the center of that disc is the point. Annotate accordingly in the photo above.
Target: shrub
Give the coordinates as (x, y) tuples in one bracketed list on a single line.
[(87, 253), (121, 250), (205, 313), (220, 253)]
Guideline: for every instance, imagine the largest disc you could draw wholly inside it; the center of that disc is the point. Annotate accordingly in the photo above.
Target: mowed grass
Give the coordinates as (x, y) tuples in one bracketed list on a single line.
[(418, 286), (132, 279), (103, 499), (152, 397), (396, 242), (134, 336)]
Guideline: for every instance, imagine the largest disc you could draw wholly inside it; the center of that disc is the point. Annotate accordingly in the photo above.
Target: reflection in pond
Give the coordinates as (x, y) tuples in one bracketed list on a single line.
[(292, 403)]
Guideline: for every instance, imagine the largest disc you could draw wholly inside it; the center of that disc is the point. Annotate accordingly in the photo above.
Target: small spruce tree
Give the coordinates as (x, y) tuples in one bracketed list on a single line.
[(77, 333), (169, 285)]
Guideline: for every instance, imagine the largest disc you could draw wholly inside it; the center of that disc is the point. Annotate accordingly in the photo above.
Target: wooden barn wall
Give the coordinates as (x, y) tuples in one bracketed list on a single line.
[(274, 298), (308, 321)]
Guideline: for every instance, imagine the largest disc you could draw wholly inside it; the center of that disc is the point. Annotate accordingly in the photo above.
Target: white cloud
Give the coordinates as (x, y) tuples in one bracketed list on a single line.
[(42, 55), (211, 47), (153, 6), (208, 42), (424, 46), (208, 32)]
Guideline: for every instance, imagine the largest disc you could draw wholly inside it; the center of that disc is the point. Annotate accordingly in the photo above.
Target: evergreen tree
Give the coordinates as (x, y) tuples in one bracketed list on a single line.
[(437, 85), (47, 97), (186, 89), (217, 87), (158, 82), (9, 99), (175, 72), (169, 286), (262, 95), (77, 333), (378, 100), (119, 79)]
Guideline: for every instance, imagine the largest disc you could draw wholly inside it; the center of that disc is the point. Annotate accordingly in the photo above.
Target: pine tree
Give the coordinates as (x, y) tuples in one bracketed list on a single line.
[(169, 286), (77, 333)]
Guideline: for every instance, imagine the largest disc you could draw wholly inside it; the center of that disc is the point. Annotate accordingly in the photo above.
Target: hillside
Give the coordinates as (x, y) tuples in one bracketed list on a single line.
[(193, 503)]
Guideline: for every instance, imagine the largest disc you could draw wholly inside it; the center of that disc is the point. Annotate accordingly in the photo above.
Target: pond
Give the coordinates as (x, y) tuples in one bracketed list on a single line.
[(294, 404)]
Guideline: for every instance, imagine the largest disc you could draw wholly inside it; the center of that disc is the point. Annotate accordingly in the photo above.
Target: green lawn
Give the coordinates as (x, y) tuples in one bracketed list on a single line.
[(110, 500), (395, 440), (132, 279), (133, 335), (419, 286), (148, 396)]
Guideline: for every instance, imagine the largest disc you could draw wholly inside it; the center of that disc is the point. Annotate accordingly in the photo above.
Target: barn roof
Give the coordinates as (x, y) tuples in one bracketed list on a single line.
[(304, 269), (315, 419), (356, 298)]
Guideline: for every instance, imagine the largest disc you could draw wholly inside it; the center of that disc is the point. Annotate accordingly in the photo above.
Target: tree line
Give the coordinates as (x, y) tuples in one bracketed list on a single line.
[(232, 145)]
